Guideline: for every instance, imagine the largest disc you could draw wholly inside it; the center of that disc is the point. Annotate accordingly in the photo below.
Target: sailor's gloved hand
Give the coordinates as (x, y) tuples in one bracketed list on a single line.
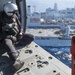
[(21, 34)]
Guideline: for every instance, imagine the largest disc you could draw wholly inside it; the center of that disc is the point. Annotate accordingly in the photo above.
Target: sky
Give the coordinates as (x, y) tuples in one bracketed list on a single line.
[(41, 5)]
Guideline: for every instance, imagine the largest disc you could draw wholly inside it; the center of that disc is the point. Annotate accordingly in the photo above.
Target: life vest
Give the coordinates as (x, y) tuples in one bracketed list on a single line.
[(10, 29), (10, 26)]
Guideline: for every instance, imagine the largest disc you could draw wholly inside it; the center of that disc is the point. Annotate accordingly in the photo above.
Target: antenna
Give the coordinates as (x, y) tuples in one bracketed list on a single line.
[(34, 8)]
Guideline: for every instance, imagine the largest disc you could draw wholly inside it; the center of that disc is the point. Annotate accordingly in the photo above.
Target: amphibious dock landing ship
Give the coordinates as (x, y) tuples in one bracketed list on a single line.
[(36, 60)]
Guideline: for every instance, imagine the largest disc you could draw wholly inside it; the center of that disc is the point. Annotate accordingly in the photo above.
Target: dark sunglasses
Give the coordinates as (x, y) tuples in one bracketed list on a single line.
[(12, 12)]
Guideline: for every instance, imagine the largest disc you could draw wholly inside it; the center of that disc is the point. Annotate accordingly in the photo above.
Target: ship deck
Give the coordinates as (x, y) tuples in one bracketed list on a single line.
[(37, 62), (50, 32), (43, 32)]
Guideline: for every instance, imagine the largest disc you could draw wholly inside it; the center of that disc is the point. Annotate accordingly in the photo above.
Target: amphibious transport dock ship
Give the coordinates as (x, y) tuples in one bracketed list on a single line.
[(36, 60), (51, 37)]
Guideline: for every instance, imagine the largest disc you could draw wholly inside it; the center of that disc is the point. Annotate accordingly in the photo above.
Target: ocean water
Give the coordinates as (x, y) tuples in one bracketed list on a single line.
[(62, 54)]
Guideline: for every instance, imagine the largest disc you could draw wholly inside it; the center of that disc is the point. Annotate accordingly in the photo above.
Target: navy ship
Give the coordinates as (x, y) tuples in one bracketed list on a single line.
[(56, 33)]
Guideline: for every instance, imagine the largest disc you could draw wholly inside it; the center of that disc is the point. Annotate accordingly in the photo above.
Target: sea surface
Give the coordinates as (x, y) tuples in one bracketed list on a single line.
[(63, 54)]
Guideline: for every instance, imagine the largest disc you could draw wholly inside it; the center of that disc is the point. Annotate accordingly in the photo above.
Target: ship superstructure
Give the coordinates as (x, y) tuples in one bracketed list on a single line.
[(51, 17)]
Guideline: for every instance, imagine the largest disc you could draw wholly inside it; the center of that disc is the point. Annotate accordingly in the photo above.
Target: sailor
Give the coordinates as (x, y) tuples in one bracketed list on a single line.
[(10, 28)]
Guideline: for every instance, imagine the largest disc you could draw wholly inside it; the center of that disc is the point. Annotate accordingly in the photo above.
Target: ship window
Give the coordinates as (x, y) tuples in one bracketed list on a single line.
[(69, 12), (37, 37), (42, 37)]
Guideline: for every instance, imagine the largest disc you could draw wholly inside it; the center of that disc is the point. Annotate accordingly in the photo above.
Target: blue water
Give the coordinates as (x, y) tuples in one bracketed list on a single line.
[(63, 54)]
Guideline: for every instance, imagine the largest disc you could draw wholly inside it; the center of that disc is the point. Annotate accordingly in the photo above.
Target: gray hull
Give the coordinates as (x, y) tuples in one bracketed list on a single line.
[(54, 42)]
